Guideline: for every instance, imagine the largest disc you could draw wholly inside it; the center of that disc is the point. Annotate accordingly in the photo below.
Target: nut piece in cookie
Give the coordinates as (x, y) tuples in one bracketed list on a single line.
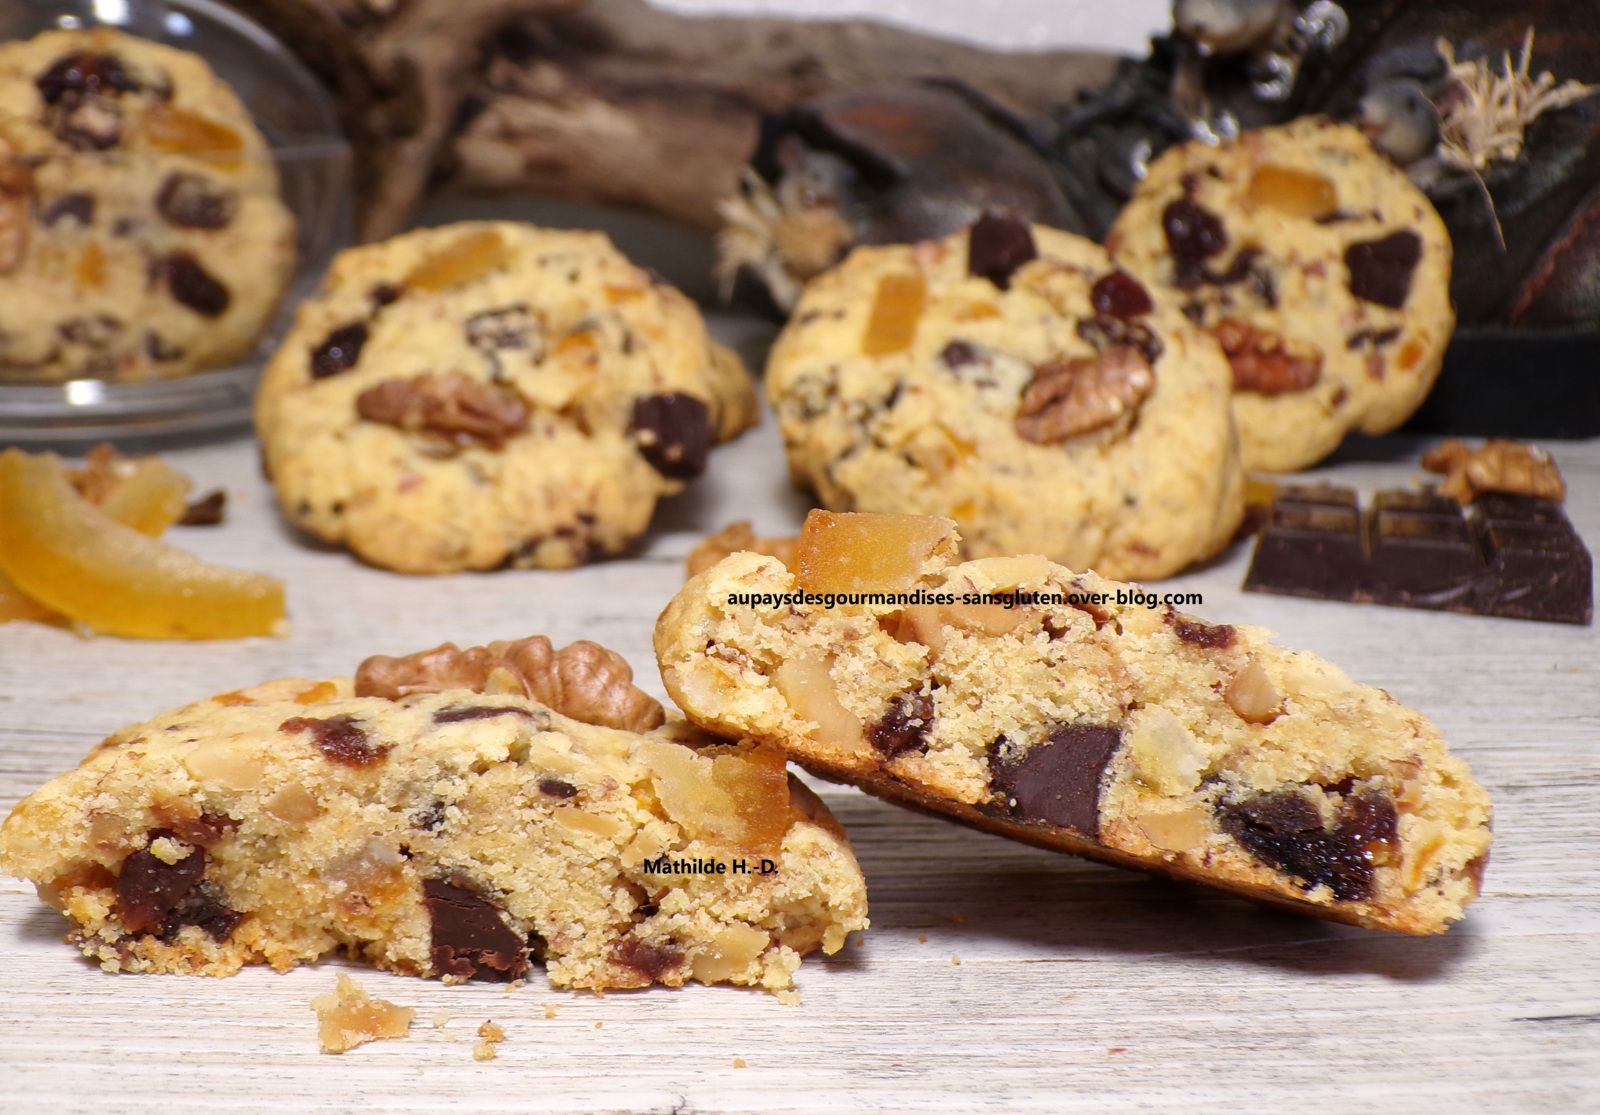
[(1499, 465), (436, 818), (1037, 706)]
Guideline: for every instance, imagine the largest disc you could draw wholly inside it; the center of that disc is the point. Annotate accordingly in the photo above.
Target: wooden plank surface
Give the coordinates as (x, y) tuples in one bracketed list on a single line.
[(994, 975)]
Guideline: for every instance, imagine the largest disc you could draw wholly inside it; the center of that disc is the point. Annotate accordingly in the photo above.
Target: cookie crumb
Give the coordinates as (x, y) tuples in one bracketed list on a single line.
[(955, 961), (922, 938), (492, 1034), (597, 1025), (789, 998), (440, 1021), (549, 1011), (347, 1017), (738, 1062)]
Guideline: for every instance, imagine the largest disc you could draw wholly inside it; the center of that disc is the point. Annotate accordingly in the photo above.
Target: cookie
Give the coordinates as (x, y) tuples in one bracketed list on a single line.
[(454, 814), (489, 394), (141, 230), (1068, 711), (1014, 380), (1320, 269)]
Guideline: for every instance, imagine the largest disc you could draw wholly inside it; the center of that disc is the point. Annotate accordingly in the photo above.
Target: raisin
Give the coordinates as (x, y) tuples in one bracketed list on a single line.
[(159, 349), (77, 207), (1119, 295), (339, 350), (84, 73), (1380, 270), (1194, 234), (190, 201), (382, 294), (1058, 780), (192, 285), (958, 354), (1212, 636), (459, 713), (207, 511), (650, 961), (556, 788), (469, 938), (673, 433), (340, 738), (997, 245), (1284, 828), (149, 888), (205, 909), (905, 726)]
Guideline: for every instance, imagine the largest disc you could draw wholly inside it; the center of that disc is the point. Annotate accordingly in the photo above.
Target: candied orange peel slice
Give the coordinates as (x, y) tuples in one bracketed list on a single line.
[(847, 551), (72, 557), (472, 256)]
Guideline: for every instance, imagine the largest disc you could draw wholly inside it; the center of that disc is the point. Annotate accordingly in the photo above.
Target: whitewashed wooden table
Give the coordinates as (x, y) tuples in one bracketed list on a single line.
[(994, 976)]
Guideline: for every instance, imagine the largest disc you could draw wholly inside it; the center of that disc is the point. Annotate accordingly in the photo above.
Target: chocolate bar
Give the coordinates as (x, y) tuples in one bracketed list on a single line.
[(1505, 555)]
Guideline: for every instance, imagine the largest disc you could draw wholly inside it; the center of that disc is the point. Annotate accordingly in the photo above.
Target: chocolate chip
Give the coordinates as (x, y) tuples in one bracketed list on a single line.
[(205, 908), (556, 788), (997, 245), (1284, 828), (1380, 270), (469, 938), (1119, 295), (190, 201), (1057, 781), (340, 738), (149, 888), (84, 73), (958, 354), (192, 285), (339, 350), (459, 713), (157, 348), (650, 961), (1106, 333), (1212, 636), (207, 511), (382, 294), (1194, 234), (506, 327), (905, 726), (76, 207), (673, 433)]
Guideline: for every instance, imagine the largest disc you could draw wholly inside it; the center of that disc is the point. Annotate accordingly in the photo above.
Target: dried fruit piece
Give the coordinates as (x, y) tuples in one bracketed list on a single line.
[(1194, 234), (905, 726), (1285, 828), (150, 886), (997, 245), (854, 552), (18, 605), (1119, 295), (150, 499), (74, 558), (1067, 398), (1252, 695), (339, 350), (473, 256), (1264, 362), (168, 128), (191, 284), (84, 73), (673, 432), (1212, 636), (896, 309), (347, 1017), (341, 738), (192, 201), (1299, 193), (807, 687), (734, 796), (1380, 270)]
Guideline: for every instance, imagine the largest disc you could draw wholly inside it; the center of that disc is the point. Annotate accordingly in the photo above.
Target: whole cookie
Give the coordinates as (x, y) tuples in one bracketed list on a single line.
[(1322, 271), (141, 231), (1012, 379), (491, 393)]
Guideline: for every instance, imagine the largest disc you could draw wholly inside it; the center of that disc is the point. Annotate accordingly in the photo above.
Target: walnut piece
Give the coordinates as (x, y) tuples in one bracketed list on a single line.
[(1072, 397), (735, 539), (16, 188), (347, 1017), (1251, 694), (1264, 362), (1500, 465), (584, 680), (454, 407)]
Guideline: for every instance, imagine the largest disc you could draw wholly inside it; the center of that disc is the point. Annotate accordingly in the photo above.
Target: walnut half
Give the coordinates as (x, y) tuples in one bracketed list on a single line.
[(1071, 397), (454, 407), (1500, 465), (584, 680), (1265, 362)]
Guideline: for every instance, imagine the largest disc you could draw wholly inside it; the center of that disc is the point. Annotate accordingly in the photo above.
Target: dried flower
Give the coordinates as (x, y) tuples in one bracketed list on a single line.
[(1485, 120)]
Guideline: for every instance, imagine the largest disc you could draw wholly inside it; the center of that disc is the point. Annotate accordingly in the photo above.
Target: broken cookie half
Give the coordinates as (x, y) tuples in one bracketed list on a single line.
[(1061, 709), (456, 814)]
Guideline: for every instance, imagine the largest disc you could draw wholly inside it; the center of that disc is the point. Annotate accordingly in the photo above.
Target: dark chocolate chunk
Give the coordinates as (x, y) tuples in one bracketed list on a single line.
[(650, 961), (1508, 556), (457, 713), (1119, 295), (207, 511), (673, 433), (1285, 828), (192, 285), (556, 788), (205, 907), (997, 245), (1194, 234), (382, 294), (1380, 270), (84, 73), (1057, 781), (75, 207), (1212, 636), (1107, 333), (340, 738), (905, 726), (339, 350), (192, 201), (470, 939), (149, 888)]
